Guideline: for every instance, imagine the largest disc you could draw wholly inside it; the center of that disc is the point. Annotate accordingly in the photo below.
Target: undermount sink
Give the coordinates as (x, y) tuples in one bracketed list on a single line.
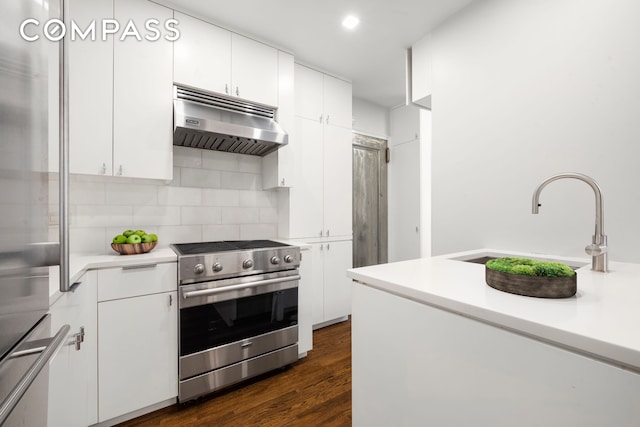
[(483, 258)]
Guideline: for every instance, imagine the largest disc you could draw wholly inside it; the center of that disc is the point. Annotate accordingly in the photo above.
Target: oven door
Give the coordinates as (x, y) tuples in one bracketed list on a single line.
[(226, 321)]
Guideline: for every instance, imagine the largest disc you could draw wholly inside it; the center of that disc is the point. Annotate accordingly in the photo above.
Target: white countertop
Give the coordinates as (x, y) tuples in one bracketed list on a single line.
[(601, 320), (79, 264)]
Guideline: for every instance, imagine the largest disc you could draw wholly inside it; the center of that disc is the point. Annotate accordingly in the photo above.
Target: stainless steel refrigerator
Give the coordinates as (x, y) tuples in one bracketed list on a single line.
[(26, 343)]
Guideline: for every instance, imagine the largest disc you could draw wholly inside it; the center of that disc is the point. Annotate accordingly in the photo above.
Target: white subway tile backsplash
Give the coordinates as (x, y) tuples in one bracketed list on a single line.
[(179, 196), (212, 233), (86, 193), (158, 215), (268, 216), (250, 164), (258, 231), (220, 197), (185, 157), (220, 160), (204, 215), (213, 196), (178, 234), (258, 198), (102, 215), (200, 178), (240, 181), (240, 216), (131, 194)]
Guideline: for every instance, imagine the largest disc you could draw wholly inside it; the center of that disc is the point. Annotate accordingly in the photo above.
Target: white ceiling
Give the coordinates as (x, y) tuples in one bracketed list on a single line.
[(372, 56)]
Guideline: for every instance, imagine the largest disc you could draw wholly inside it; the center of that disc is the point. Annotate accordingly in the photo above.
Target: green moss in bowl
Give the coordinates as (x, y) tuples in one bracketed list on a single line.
[(530, 267)]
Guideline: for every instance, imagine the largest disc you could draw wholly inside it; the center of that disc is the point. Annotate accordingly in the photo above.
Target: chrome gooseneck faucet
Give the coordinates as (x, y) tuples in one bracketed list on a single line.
[(598, 247)]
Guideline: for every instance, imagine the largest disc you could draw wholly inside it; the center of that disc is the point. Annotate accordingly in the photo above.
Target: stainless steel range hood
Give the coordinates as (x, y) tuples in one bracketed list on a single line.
[(215, 122)]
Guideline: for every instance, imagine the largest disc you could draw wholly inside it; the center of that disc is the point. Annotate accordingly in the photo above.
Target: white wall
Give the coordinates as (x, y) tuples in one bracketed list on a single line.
[(213, 196), (523, 90), (370, 119)]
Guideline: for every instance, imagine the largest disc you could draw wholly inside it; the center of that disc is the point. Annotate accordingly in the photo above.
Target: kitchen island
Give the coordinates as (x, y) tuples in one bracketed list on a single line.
[(434, 345)]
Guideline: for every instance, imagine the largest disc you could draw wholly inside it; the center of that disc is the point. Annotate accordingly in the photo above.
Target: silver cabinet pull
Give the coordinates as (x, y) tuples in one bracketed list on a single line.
[(327, 233), (327, 119), (237, 91), (170, 300), (204, 292), (103, 170), (328, 246), (282, 183), (25, 382), (120, 170), (321, 116), (226, 88), (78, 338), (139, 266), (320, 233)]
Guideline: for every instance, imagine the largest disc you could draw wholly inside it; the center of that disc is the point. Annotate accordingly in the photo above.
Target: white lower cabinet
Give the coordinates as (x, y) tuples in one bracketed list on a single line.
[(138, 338), (73, 371), (330, 286)]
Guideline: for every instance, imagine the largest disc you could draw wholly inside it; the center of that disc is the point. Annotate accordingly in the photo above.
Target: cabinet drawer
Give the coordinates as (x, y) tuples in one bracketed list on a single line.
[(126, 282)]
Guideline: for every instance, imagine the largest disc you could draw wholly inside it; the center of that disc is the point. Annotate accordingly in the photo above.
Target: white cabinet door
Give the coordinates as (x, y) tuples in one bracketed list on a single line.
[(138, 353), (337, 286), (254, 70), (338, 181), (202, 55), (306, 197), (73, 373), (309, 84), (337, 102), (142, 105), (404, 201), (317, 282), (90, 92), (277, 167)]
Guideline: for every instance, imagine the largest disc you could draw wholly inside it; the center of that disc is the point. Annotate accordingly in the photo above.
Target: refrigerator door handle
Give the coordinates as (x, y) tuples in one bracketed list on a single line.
[(27, 379)]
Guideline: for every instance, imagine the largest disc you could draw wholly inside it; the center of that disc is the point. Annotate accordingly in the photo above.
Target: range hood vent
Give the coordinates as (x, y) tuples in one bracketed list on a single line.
[(215, 122)]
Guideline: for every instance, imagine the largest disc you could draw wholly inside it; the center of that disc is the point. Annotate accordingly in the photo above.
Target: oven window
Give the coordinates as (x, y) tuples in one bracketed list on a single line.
[(211, 325)]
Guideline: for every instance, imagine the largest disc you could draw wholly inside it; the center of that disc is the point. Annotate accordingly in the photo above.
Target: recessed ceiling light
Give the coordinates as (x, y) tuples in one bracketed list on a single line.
[(350, 22)]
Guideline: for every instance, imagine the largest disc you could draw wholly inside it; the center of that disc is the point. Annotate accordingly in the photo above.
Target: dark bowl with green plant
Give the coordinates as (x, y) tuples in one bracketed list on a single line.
[(529, 277)]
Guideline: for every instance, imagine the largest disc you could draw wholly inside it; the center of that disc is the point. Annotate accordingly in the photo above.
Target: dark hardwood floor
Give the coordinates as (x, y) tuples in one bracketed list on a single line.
[(315, 391)]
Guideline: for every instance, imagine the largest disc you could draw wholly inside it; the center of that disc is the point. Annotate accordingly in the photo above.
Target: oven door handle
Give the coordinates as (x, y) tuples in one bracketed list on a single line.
[(205, 292)]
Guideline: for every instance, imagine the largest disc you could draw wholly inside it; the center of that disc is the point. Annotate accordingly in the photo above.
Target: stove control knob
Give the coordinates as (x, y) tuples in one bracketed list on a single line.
[(217, 267), (275, 260), (248, 263), (198, 269), (288, 258)]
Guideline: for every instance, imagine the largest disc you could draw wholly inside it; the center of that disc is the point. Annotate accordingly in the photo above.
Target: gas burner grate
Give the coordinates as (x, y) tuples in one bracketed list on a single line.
[(225, 246)]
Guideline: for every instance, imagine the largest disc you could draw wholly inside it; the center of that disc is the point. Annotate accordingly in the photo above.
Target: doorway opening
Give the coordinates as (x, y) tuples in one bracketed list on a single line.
[(369, 201)]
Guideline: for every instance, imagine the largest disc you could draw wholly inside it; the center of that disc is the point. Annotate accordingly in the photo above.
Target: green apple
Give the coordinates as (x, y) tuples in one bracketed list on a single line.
[(146, 238), (127, 233), (119, 239), (154, 237), (134, 238), (140, 232)]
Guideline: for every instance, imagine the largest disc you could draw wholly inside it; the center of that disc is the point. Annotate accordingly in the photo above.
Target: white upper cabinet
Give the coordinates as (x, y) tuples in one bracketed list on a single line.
[(202, 55), (422, 72), (214, 59), (120, 97), (254, 70), (142, 104), (90, 92), (337, 102), (322, 97), (308, 99)]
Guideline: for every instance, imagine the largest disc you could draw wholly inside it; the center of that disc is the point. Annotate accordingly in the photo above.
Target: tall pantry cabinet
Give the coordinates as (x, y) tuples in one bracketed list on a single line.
[(319, 209)]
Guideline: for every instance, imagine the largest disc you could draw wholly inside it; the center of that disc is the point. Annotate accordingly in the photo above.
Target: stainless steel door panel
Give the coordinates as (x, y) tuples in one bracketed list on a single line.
[(204, 361), (223, 290), (232, 374)]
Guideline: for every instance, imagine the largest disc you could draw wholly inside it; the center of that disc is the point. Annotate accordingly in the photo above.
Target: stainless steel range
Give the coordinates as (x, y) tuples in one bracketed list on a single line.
[(238, 312)]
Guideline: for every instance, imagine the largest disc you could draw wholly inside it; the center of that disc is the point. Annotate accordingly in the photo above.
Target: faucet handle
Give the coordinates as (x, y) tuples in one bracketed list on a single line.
[(595, 249)]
